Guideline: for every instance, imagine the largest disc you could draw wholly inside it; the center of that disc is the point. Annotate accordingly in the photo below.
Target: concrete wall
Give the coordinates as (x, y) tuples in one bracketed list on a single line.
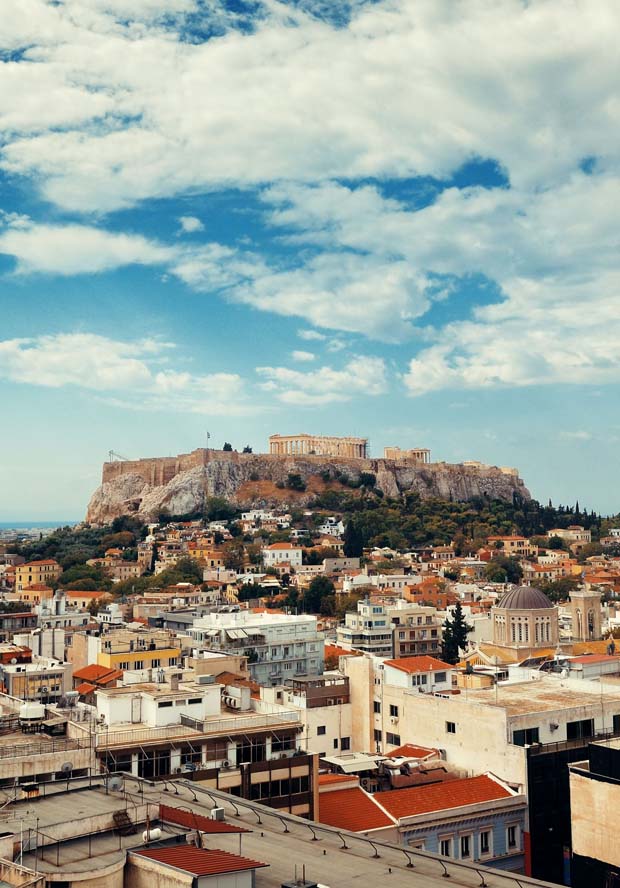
[(594, 804)]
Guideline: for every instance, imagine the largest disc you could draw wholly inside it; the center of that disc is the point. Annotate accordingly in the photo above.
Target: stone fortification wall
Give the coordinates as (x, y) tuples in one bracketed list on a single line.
[(182, 484)]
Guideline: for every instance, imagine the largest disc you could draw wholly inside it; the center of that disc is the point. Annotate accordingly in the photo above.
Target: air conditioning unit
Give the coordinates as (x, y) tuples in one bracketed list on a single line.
[(226, 764), (394, 720), (217, 813)]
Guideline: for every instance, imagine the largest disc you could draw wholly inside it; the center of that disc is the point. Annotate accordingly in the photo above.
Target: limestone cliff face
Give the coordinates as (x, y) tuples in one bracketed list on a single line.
[(182, 485)]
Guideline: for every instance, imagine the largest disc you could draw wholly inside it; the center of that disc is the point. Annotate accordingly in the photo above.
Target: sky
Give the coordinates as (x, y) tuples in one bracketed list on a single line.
[(391, 219)]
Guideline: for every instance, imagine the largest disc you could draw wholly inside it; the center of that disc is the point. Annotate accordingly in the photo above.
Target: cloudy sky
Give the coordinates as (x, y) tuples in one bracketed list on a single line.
[(396, 219)]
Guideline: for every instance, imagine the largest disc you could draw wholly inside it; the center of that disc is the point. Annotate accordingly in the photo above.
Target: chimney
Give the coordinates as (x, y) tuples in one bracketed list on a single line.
[(174, 682)]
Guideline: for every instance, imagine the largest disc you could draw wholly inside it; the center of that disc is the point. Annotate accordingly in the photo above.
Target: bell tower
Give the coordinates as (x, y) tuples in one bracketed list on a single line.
[(585, 609)]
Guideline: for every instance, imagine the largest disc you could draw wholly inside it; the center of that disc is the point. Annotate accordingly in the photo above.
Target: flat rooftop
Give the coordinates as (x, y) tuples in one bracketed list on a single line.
[(546, 694), (337, 858)]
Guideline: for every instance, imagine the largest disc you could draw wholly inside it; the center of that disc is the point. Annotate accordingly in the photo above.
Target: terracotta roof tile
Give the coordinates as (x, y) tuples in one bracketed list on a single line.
[(351, 809), (329, 779), (94, 672), (199, 861), (86, 688), (170, 814), (418, 664), (442, 796), (409, 750)]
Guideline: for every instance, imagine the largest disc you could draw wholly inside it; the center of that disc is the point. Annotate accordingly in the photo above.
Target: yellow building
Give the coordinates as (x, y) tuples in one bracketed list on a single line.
[(124, 649), (36, 573)]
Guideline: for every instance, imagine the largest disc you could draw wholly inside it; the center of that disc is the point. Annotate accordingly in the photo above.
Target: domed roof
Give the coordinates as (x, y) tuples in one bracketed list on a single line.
[(524, 598)]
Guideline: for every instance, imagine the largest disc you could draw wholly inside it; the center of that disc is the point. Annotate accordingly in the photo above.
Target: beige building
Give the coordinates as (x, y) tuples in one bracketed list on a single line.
[(594, 803), (318, 445), (478, 729), (586, 613), (36, 573), (419, 455)]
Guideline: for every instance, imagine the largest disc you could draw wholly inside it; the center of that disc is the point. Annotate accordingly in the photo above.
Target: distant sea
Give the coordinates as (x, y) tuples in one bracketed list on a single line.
[(27, 525)]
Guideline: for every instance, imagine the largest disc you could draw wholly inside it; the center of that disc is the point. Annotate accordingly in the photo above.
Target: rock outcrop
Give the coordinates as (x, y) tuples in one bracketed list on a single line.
[(183, 484)]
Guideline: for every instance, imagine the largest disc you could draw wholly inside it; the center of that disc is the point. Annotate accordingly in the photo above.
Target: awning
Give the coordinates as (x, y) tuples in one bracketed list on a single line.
[(236, 633)]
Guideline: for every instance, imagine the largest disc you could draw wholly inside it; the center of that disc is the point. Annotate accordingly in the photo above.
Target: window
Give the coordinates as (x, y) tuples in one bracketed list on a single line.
[(378, 736), (616, 724), (440, 676), (465, 847), (376, 707), (392, 739), (445, 846), (194, 701), (335, 743), (485, 842), (164, 704), (579, 729), (320, 730), (525, 737), (393, 711), (450, 727), (512, 836), (345, 744)]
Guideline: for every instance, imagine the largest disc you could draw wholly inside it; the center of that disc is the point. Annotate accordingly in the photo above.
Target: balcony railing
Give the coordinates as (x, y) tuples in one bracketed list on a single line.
[(42, 748)]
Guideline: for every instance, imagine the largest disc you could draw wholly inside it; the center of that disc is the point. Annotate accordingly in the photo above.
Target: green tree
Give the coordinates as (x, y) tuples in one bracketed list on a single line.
[(455, 632), (247, 449), (503, 569), (319, 588), (353, 541), (294, 481), (227, 446)]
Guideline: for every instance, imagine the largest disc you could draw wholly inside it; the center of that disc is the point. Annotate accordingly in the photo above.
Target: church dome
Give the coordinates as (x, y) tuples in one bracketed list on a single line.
[(524, 598)]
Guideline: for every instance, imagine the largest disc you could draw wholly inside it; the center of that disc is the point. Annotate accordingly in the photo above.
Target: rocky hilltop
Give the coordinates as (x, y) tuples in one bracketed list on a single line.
[(182, 485)]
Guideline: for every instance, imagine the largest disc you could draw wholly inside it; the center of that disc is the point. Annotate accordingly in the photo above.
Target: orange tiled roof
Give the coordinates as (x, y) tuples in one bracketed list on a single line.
[(329, 779), (86, 688), (418, 664), (351, 809), (38, 587), (43, 561), (334, 650), (199, 861), (409, 750), (282, 546), (442, 796), (94, 672)]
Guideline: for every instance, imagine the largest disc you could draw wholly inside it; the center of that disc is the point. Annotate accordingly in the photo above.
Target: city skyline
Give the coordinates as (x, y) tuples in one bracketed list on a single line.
[(390, 220)]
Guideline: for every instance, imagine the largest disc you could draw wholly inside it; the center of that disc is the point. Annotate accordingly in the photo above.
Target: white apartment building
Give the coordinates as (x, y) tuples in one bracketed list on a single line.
[(371, 628), (324, 708), (282, 553), (278, 646)]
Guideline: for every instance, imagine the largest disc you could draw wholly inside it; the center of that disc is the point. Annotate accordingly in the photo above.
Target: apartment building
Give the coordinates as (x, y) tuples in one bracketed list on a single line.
[(278, 646), (36, 573), (158, 730), (385, 630)]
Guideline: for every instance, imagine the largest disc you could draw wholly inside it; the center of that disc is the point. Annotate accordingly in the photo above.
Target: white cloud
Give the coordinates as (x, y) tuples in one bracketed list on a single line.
[(325, 385), (577, 435), (228, 110), (128, 374), (76, 249), (190, 224), (300, 355), (343, 291), (311, 335)]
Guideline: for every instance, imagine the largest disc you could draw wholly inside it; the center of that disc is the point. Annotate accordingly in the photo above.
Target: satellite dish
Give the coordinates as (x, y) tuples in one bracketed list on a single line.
[(67, 767), (115, 783), (13, 661)]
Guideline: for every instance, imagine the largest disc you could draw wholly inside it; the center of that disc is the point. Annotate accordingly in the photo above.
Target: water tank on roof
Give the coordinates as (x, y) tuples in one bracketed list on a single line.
[(29, 712)]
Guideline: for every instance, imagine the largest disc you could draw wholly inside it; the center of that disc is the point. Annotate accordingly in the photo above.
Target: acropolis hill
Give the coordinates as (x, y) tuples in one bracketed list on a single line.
[(182, 484)]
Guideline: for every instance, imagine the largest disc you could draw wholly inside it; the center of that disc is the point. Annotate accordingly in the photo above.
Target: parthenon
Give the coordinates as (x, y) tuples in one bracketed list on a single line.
[(318, 445)]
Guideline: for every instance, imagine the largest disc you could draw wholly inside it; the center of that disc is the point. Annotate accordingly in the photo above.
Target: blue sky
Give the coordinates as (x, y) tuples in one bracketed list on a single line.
[(395, 219)]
